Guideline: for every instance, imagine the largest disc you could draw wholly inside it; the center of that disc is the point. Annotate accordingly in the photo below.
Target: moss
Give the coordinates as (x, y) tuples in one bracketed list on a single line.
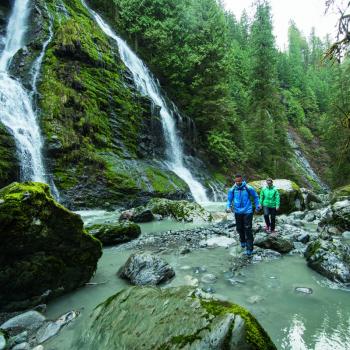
[(9, 165), (42, 241), (255, 334)]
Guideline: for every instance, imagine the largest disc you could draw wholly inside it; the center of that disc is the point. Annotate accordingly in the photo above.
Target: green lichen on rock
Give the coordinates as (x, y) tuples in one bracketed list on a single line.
[(44, 249), (111, 234), (171, 318), (179, 210), (9, 165)]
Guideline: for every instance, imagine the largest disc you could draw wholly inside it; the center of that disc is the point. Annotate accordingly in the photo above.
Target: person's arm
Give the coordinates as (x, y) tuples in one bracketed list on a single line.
[(229, 199), (278, 202)]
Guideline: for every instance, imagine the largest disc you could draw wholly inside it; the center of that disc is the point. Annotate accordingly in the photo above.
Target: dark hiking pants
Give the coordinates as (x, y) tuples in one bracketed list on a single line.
[(270, 217), (244, 228)]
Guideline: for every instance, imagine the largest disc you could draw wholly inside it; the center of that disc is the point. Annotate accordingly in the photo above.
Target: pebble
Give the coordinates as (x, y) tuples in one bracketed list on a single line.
[(303, 290)]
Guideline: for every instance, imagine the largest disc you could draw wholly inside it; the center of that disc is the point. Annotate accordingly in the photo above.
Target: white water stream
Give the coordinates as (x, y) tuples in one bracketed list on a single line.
[(16, 111), (148, 86)]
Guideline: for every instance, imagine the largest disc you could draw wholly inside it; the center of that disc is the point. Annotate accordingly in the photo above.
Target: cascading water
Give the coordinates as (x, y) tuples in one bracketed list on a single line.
[(16, 111), (147, 85), (304, 163)]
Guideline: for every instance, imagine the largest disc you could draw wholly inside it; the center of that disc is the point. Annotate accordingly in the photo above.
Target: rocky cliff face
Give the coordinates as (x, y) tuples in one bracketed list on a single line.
[(102, 139)]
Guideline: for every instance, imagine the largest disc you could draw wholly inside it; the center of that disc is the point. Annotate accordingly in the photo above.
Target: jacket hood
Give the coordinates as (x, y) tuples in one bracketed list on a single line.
[(244, 183)]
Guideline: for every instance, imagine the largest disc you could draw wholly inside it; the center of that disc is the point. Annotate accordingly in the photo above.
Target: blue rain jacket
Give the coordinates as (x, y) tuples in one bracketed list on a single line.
[(239, 196)]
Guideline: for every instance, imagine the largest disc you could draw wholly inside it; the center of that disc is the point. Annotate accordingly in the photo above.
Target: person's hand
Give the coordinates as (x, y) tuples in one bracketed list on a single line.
[(258, 208), (277, 209), (228, 210)]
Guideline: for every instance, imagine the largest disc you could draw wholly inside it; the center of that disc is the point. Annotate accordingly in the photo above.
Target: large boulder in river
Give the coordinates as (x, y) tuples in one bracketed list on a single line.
[(116, 233), (330, 258), (179, 210), (290, 193), (146, 269), (172, 318), (44, 250), (337, 215)]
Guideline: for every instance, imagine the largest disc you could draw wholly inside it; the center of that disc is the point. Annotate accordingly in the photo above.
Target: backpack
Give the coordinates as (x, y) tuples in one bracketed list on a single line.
[(251, 197)]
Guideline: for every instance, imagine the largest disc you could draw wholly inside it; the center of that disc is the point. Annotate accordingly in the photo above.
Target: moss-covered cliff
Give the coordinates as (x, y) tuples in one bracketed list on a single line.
[(101, 136)]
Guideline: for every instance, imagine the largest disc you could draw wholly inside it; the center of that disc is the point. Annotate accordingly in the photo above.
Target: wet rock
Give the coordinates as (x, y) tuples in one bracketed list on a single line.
[(191, 281), (346, 235), (146, 269), (209, 290), (138, 215), (184, 251), (209, 278), (3, 340), (191, 322), (330, 258), (22, 346), (116, 233), (303, 290), (200, 269), (219, 241), (28, 320), (303, 238), (338, 215), (178, 210), (52, 253), (51, 328), (276, 243), (340, 194), (310, 198), (18, 339)]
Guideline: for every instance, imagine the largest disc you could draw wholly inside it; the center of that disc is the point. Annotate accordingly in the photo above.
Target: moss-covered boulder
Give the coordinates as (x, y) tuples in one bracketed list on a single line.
[(341, 193), (179, 210), (171, 318), (290, 193), (44, 250), (116, 233), (330, 258)]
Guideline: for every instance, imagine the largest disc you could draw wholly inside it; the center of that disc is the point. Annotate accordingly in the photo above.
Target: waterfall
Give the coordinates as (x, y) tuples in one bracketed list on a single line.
[(304, 163), (148, 86), (16, 111)]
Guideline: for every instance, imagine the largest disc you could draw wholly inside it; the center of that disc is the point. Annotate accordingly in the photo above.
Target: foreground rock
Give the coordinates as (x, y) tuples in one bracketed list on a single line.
[(330, 258), (44, 249), (290, 193), (171, 318), (178, 210), (111, 234), (337, 215), (146, 269), (276, 243)]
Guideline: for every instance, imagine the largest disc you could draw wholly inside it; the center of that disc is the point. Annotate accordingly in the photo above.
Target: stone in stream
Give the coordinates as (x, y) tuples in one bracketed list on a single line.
[(22, 346), (171, 318), (330, 258), (303, 290), (139, 215), (28, 320), (115, 233), (44, 249), (209, 278), (51, 328), (277, 243), (3, 340), (146, 269)]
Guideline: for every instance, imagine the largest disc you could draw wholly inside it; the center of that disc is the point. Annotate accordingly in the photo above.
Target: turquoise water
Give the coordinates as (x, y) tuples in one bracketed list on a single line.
[(320, 320)]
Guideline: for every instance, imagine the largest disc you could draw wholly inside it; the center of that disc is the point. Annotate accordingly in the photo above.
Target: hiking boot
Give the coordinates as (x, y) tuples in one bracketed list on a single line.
[(243, 244), (267, 229), (274, 233)]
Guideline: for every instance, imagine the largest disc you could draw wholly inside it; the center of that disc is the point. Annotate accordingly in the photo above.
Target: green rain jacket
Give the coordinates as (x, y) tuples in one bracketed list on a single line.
[(269, 197)]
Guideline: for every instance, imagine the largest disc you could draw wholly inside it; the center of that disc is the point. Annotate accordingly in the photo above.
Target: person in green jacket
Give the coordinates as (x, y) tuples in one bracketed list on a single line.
[(270, 201)]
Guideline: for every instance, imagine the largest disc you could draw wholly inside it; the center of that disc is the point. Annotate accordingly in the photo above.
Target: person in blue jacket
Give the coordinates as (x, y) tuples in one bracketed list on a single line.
[(239, 201)]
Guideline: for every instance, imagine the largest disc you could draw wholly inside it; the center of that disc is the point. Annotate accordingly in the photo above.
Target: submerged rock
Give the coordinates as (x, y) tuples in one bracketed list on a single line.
[(146, 269), (330, 258), (290, 193), (111, 234), (171, 318), (28, 320), (303, 290), (44, 249)]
